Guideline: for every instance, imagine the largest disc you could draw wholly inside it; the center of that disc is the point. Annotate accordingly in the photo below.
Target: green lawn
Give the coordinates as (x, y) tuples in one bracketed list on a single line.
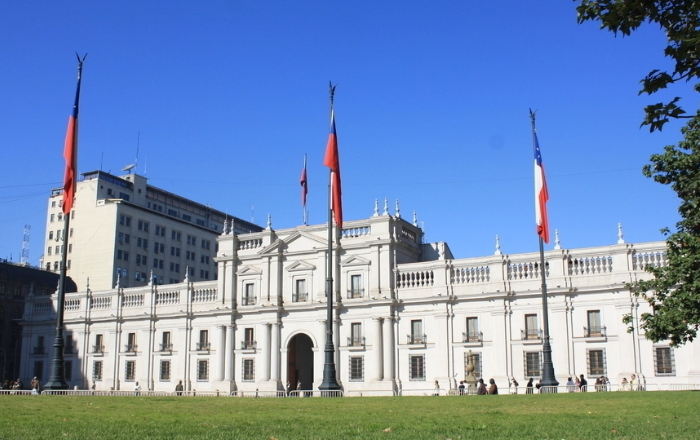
[(651, 415)]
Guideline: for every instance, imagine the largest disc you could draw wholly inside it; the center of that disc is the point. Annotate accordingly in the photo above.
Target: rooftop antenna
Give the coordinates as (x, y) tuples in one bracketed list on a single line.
[(24, 260), (145, 166), (133, 165)]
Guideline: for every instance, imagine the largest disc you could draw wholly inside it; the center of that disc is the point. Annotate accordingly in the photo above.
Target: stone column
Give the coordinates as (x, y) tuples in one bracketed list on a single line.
[(220, 352), (265, 344), (377, 349), (228, 356), (388, 348), (275, 353)]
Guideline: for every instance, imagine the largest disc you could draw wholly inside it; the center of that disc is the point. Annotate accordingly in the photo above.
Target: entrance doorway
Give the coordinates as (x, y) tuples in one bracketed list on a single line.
[(300, 363)]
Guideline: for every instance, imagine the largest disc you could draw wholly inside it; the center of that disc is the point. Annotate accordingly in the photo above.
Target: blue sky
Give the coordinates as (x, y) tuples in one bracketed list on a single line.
[(431, 109)]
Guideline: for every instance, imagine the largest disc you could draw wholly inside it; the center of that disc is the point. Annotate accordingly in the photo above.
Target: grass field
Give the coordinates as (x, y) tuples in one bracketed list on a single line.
[(643, 415)]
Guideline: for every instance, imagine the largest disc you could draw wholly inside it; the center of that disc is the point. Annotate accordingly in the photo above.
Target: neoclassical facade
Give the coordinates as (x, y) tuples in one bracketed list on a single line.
[(406, 314)]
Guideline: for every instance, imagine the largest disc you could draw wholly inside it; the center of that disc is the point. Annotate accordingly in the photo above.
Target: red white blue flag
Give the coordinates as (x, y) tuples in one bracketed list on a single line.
[(70, 150), (541, 194), (332, 161), (304, 184)]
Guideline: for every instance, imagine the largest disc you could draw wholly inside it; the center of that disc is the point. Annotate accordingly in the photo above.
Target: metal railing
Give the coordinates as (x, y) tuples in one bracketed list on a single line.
[(356, 341), (423, 392), (249, 345), (248, 300), (472, 337), (356, 293), (166, 347), (300, 297), (530, 334), (98, 348), (592, 332), (417, 339), (131, 348), (203, 346)]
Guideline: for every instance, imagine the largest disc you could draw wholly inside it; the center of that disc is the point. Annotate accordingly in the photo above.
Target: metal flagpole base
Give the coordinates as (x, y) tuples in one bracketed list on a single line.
[(549, 382), (330, 382), (57, 379)]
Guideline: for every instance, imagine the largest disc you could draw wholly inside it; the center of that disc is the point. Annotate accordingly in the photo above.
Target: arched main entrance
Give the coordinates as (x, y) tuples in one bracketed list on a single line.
[(300, 363)]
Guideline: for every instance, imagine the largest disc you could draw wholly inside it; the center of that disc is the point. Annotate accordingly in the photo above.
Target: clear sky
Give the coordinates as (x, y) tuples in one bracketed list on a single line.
[(431, 109)]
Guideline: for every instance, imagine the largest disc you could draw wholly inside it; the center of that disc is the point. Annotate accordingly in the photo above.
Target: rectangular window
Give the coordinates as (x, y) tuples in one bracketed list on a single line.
[(99, 344), (67, 370), (202, 370), (164, 371), (124, 196), (176, 235), (249, 295), (596, 363), (472, 334), (97, 370), (357, 369), (664, 362), (166, 344), (300, 291), (532, 330), (248, 370), (203, 343), (131, 344), (206, 244), (476, 360), (249, 338), (160, 230), (49, 250), (594, 324), (356, 339), (68, 346), (416, 367), (191, 240), (416, 336), (356, 290), (39, 370), (129, 371), (50, 235), (533, 364), (143, 226)]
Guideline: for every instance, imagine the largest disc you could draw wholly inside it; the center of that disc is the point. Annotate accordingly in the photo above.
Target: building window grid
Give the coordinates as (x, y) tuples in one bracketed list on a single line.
[(532, 364), (129, 371), (357, 368), (300, 293), (416, 367), (202, 370), (248, 370), (595, 359), (164, 371), (664, 362)]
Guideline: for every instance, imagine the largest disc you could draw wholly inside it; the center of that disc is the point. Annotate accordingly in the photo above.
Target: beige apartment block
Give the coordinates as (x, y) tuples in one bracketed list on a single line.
[(123, 231)]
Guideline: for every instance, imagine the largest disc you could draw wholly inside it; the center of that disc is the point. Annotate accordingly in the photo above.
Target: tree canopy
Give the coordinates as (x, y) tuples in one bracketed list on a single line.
[(674, 292), (680, 21)]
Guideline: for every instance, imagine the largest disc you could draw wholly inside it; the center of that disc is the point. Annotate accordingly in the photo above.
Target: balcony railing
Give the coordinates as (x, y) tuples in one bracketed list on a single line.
[(203, 346), (356, 341), (472, 337), (416, 339), (98, 349), (248, 300), (595, 332), (166, 347), (131, 348), (299, 297), (356, 293), (249, 345), (69, 349), (38, 350), (530, 334)]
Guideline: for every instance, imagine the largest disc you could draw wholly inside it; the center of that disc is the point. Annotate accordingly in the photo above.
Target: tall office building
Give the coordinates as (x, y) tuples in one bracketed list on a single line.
[(122, 230)]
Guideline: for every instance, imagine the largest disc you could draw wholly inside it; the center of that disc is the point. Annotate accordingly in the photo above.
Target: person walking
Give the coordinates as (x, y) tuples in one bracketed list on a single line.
[(137, 389), (179, 388)]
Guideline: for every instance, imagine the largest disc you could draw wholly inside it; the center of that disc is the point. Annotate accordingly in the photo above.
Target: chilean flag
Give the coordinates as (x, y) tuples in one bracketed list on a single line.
[(304, 184), (70, 150), (332, 161), (541, 195)]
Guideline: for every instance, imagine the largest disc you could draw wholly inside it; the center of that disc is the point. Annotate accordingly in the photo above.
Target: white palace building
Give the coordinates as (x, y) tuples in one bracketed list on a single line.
[(406, 314)]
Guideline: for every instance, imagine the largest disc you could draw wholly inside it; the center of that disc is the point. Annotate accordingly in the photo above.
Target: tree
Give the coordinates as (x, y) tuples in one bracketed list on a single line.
[(680, 21), (674, 292)]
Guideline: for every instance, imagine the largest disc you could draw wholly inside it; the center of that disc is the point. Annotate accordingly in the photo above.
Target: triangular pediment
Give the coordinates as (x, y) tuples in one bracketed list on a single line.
[(249, 270), (355, 260), (296, 242), (300, 266)]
